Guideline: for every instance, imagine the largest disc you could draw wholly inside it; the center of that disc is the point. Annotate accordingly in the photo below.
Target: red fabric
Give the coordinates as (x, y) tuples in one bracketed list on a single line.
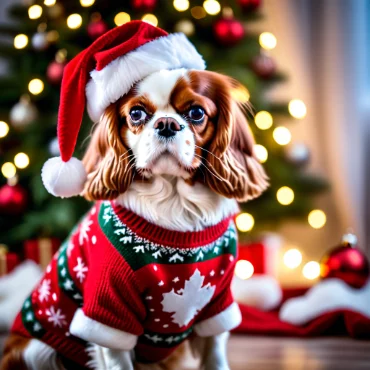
[(339, 322), (254, 253), (116, 42)]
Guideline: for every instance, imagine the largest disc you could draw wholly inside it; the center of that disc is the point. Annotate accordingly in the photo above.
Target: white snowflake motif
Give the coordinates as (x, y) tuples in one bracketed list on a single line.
[(56, 317), (44, 290), (37, 327), (85, 228), (68, 284), (186, 304), (154, 338), (80, 269), (69, 249)]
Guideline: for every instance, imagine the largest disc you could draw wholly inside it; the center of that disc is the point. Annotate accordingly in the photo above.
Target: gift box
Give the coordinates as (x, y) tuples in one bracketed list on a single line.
[(8, 261), (263, 255), (41, 250)]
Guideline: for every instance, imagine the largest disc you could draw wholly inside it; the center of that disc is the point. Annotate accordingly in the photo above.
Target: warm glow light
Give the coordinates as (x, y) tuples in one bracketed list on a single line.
[(267, 40), (185, 26), (282, 135), (20, 41), (244, 222), (212, 7), (244, 269), (181, 5), (311, 270), (285, 195), (50, 2), (74, 21), (292, 258), (317, 218), (86, 3), (21, 160), (121, 18), (261, 153), (8, 170), (36, 86), (34, 11), (240, 94), (297, 108), (263, 120), (198, 12), (4, 129), (150, 18)]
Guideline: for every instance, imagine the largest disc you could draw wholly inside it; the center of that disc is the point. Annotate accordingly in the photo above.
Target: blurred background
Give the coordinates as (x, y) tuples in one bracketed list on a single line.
[(303, 65)]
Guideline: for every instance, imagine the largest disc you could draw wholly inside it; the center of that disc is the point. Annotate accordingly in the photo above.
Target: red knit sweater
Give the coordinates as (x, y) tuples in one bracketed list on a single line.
[(124, 283)]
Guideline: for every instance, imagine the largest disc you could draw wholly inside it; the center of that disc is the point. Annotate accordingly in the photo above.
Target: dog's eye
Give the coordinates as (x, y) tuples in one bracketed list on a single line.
[(196, 114), (137, 115)]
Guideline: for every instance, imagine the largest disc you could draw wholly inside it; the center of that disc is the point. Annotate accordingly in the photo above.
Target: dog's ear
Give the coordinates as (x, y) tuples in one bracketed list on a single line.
[(107, 159), (235, 171)]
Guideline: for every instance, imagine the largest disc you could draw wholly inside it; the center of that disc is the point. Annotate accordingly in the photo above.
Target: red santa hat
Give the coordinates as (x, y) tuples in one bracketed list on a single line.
[(99, 76)]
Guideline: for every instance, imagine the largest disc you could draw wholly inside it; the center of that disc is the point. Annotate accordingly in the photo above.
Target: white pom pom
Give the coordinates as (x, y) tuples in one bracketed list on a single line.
[(63, 179)]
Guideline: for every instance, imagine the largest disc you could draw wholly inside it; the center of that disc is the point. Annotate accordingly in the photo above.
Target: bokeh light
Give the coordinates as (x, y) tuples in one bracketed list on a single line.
[(263, 120), (4, 129), (311, 270), (20, 41), (244, 269), (181, 5), (121, 18), (292, 258), (285, 195), (212, 7), (87, 3), (317, 218), (267, 40), (36, 86), (8, 170), (282, 135), (261, 153), (297, 108), (185, 26), (198, 12), (151, 19), (49, 2), (34, 11), (21, 160), (244, 222), (74, 21)]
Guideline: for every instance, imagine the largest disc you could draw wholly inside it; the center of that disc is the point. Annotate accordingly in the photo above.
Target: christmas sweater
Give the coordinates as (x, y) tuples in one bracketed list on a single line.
[(124, 283)]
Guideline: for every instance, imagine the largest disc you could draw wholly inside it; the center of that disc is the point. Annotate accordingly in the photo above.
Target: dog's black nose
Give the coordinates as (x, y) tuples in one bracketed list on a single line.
[(167, 127)]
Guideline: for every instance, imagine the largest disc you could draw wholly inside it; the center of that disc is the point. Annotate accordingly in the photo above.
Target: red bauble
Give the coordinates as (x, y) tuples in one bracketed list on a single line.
[(54, 72), (348, 263), (250, 5), (228, 31), (13, 199), (263, 66), (144, 5), (96, 29)]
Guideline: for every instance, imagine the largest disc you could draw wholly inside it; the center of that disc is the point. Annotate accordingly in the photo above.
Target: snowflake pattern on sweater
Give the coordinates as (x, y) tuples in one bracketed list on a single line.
[(145, 286)]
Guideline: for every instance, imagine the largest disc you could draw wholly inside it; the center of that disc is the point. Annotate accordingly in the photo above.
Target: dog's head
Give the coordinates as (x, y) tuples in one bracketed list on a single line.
[(179, 123)]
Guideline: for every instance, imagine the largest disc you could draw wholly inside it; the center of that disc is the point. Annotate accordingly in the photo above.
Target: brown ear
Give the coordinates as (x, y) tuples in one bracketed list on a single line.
[(107, 160), (234, 170)]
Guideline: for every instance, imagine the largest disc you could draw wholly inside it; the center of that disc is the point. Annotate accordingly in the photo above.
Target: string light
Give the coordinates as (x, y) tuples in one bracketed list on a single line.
[(21, 160), (34, 11), (87, 3), (121, 18), (151, 19), (292, 258), (311, 270), (198, 12), (261, 153), (240, 94), (8, 170), (20, 41), (212, 7), (285, 195), (317, 218), (244, 222), (50, 2), (282, 135), (181, 5), (74, 21), (263, 120), (36, 86), (244, 269), (297, 108), (4, 129), (267, 40)]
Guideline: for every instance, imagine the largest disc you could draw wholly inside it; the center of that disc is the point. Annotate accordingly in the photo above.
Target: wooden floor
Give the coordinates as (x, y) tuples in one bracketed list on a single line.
[(267, 353)]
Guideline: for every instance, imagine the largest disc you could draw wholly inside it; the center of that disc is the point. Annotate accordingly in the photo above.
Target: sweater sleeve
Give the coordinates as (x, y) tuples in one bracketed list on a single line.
[(112, 313)]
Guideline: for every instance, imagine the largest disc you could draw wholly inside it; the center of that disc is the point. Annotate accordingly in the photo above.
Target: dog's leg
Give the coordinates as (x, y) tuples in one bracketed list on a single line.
[(110, 359), (216, 354)]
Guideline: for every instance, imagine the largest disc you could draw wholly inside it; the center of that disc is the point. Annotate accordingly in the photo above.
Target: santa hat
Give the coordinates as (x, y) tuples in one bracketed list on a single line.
[(99, 76)]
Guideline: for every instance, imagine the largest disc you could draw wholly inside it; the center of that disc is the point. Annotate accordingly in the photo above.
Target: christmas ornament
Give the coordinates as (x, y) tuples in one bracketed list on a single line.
[(96, 28), (13, 199), (298, 154), (54, 72), (54, 147), (250, 5), (23, 113), (144, 5), (346, 262), (40, 41), (263, 66), (228, 31)]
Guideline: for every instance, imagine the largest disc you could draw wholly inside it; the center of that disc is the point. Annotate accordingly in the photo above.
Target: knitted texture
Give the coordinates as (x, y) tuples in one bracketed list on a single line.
[(122, 282)]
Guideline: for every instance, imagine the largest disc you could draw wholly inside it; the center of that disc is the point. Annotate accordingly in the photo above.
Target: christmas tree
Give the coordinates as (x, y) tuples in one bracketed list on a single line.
[(48, 33)]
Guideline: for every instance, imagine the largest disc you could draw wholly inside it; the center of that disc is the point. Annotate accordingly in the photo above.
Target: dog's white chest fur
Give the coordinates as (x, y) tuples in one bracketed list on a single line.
[(171, 203)]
